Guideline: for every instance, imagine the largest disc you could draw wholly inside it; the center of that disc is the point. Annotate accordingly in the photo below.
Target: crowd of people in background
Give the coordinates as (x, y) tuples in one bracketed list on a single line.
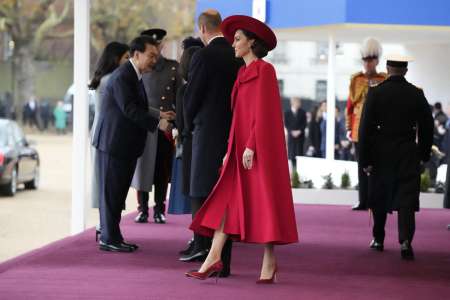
[(42, 115), (306, 134)]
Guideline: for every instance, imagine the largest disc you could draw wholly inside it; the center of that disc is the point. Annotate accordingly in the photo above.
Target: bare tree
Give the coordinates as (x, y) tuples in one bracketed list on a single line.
[(32, 24), (29, 23), (124, 19)]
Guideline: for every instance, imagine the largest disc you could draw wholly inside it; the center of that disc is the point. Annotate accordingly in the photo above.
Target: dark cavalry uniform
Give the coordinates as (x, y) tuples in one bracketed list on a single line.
[(395, 114)]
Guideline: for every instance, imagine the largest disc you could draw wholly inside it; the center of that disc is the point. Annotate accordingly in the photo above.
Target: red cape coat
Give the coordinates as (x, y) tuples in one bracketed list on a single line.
[(257, 204)]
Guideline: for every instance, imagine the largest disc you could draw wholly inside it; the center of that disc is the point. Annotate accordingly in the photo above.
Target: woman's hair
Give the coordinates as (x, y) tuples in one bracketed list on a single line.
[(191, 41), (185, 60), (190, 46), (259, 47), (108, 62)]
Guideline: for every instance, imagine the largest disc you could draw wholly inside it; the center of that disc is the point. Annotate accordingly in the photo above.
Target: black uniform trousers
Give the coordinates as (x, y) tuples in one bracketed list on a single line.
[(114, 180), (363, 182), (406, 225), (203, 242), (161, 177)]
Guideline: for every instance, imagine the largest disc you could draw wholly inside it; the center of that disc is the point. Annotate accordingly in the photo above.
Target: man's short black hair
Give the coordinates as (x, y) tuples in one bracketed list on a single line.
[(138, 44)]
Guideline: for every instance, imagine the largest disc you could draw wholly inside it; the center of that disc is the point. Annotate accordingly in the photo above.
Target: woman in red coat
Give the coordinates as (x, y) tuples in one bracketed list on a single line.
[(252, 201)]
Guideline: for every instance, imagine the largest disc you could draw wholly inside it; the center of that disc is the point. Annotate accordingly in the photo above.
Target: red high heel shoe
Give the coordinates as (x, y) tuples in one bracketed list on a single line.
[(271, 280), (214, 268)]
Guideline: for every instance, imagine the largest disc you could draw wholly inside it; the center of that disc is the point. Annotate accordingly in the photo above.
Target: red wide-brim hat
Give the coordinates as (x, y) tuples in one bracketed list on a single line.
[(233, 23)]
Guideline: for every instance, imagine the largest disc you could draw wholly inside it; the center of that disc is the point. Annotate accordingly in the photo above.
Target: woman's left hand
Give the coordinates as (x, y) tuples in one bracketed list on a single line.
[(247, 159)]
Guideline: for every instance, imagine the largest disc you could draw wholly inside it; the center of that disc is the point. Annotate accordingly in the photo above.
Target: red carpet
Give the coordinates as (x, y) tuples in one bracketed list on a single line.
[(332, 261)]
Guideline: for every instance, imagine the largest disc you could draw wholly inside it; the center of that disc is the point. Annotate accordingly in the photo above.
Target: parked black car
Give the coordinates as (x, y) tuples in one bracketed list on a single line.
[(19, 163)]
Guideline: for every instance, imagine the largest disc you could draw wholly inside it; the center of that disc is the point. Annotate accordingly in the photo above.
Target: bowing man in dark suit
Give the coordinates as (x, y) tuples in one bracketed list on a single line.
[(207, 114), (120, 138)]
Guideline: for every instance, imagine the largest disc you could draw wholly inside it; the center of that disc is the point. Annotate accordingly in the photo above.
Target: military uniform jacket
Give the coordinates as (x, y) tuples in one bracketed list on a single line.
[(396, 134), (359, 85), (161, 85)]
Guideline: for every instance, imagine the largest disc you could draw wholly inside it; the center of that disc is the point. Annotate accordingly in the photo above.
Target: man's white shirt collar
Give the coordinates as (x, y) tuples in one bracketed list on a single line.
[(139, 75), (214, 37)]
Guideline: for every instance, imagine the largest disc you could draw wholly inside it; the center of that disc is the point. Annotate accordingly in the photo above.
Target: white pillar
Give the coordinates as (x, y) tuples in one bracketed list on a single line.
[(331, 97), (80, 114)]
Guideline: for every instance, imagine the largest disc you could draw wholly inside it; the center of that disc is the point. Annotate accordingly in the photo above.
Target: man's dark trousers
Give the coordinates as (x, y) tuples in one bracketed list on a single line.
[(115, 176)]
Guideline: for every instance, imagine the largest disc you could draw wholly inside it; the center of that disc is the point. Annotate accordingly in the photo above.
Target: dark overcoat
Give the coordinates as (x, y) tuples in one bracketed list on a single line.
[(207, 111), (395, 136)]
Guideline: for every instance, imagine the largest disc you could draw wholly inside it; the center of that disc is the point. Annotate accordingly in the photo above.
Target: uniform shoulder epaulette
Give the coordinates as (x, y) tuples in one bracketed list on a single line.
[(383, 74), (356, 75)]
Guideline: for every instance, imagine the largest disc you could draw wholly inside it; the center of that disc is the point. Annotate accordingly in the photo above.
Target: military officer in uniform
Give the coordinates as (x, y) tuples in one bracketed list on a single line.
[(155, 165), (395, 136), (359, 85)]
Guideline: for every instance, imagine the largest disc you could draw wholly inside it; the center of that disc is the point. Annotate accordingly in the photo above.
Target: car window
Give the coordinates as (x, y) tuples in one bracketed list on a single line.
[(10, 137), (4, 135), (19, 137)]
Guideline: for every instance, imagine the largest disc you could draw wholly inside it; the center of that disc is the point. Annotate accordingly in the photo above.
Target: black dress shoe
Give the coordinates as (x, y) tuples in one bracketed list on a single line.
[(134, 247), (141, 218), (114, 247), (406, 251), (376, 245), (159, 218), (358, 207), (188, 249), (194, 256), (448, 227)]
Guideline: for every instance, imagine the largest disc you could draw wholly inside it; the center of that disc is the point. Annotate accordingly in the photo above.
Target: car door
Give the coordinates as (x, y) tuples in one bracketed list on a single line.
[(26, 161)]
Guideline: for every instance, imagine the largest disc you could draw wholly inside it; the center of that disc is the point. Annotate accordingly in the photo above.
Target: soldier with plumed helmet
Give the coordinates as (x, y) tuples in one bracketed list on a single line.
[(359, 85)]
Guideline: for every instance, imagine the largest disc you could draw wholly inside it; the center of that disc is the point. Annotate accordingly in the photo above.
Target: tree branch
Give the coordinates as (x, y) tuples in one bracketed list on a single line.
[(59, 35), (52, 21)]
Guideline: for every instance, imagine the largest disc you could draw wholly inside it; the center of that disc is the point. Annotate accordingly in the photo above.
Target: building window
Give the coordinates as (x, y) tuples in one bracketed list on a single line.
[(321, 90), (322, 52)]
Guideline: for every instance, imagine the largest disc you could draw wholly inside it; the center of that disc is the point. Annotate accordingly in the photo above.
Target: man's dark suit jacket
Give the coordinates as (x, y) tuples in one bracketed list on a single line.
[(207, 111), (124, 119)]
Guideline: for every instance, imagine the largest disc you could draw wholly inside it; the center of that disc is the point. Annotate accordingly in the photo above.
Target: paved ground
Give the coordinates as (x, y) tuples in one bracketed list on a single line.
[(34, 218)]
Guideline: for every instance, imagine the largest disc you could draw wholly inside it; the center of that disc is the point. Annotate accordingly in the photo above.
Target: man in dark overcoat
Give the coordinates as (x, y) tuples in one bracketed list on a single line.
[(396, 134), (295, 123), (207, 111)]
